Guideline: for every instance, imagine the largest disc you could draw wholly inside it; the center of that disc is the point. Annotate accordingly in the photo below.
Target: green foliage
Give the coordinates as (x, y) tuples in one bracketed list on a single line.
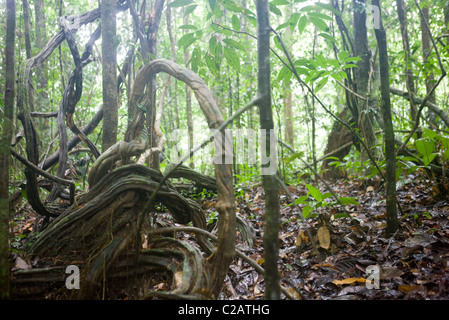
[(315, 199)]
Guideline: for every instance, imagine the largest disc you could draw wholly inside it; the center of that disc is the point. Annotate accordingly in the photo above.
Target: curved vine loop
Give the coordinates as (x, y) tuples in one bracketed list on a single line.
[(135, 143)]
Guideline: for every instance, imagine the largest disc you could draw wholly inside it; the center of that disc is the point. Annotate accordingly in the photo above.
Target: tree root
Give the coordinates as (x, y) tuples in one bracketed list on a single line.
[(101, 227)]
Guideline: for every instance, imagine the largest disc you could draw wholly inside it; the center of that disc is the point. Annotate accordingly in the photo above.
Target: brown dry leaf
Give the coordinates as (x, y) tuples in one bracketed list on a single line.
[(300, 237), (21, 264), (388, 273), (349, 281), (294, 293), (407, 288), (324, 237)]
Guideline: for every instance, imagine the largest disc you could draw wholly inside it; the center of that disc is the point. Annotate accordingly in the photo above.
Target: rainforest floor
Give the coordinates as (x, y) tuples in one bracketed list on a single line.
[(355, 259)]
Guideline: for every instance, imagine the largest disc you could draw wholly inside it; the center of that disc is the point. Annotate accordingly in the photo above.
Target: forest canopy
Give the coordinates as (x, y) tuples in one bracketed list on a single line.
[(169, 143)]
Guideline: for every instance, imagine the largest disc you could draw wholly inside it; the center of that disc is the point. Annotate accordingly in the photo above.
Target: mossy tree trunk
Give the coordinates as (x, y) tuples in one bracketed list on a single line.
[(6, 121), (109, 65)]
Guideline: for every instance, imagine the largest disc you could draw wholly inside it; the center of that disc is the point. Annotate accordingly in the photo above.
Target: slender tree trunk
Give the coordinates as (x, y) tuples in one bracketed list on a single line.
[(154, 19), (189, 103), (390, 154), (362, 75), (402, 15), (109, 64), (271, 187), (27, 27), (40, 41), (5, 145), (287, 94), (288, 115), (41, 71), (426, 50)]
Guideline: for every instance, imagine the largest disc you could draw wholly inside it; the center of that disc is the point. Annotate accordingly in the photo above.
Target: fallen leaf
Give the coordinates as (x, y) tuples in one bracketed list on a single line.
[(300, 237), (349, 281), (406, 288), (294, 293), (21, 264), (369, 189), (324, 237), (388, 273)]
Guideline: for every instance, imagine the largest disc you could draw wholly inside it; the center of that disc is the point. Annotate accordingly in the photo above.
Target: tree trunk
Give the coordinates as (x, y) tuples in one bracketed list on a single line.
[(362, 75), (402, 14), (288, 115), (338, 137), (426, 50), (109, 65), (5, 145), (154, 19), (189, 103), (271, 187), (390, 154), (41, 71)]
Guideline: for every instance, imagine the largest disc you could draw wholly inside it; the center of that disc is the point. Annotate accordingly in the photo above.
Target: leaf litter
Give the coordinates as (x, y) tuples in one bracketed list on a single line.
[(351, 240)]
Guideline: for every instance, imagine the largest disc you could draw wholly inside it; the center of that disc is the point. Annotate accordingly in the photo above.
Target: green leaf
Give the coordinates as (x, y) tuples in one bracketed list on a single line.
[(186, 40), (293, 21), (328, 7), (306, 211), (302, 23), (234, 44), (231, 5), (235, 23), (296, 155), (213, 45), (308, 8), (321, 60), (284, 75), (336, 76), (319, 23), (280, 2), (430, 134), (195, 59), (180, 3), (343, 55), (333, 62), (232, 58), (327, 37), (347, 200), (302, 200), (277, 43), (212, 4), (282, 26), (350, 65), (210, 63), (321, 84), (275, 10), (425, 147), (190, 9), (314, 192), (320, 15)]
